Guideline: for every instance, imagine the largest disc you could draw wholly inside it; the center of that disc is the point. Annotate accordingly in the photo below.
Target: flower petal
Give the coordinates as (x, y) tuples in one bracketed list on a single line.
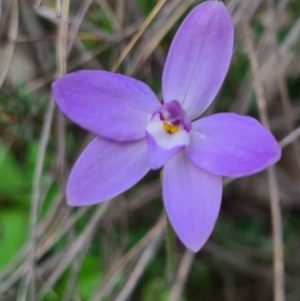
[(199, 58), (110, 105), (192, 199), (105, 169), (228, 144), (162, 145)]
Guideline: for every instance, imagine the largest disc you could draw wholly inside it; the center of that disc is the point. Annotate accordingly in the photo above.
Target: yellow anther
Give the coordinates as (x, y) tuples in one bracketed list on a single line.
[(171, 129)]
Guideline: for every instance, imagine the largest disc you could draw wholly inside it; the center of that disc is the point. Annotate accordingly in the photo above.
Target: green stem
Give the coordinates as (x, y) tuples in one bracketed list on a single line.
[(170, 248)]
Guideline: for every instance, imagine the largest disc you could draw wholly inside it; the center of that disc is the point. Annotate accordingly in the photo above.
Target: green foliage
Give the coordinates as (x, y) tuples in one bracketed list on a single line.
[(13, 233), (246, 232), (91, 276), (14, 185), (146, 6)]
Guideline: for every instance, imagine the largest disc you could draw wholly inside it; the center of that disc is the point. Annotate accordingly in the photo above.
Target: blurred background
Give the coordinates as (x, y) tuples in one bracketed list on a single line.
[(116, 251)]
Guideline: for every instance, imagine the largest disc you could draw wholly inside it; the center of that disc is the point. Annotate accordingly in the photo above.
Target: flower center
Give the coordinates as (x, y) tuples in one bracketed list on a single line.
[(173, 117), (171, 129)]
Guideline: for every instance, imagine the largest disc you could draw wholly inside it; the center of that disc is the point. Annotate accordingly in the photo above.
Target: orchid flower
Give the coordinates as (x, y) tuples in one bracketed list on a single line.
[(136, 133)]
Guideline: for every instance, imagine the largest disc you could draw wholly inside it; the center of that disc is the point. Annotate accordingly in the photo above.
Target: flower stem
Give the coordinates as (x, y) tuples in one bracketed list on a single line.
[(170, 249)]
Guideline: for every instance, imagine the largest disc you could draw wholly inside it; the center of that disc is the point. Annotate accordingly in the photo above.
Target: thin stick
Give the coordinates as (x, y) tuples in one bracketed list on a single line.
[(279, 283)]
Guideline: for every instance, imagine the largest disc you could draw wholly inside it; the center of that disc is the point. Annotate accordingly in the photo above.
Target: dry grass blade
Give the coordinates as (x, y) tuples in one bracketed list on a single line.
[(284, 48), (61, 58), (68, 223), (37, 192), (40, 161), (77, 22), (240, 262), (109, 281), (83, 240), (282, 84), (109, 13), (181, 276), (135, 38), (85, 57), (20, 268), (61, 61), (12, 35), (290, 138), (12, 279), (38, 3), (279, 284), (158, 32), (139, 268)]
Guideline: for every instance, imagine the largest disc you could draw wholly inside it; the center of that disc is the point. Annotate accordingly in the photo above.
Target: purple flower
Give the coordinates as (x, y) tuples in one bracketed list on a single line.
[(135, 133)]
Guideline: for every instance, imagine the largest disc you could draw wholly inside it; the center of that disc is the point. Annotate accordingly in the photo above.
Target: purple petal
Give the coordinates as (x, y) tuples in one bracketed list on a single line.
[(199, 58), (228, 144), (110, 105), (192, 199), (105, 169), (162, 145)]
